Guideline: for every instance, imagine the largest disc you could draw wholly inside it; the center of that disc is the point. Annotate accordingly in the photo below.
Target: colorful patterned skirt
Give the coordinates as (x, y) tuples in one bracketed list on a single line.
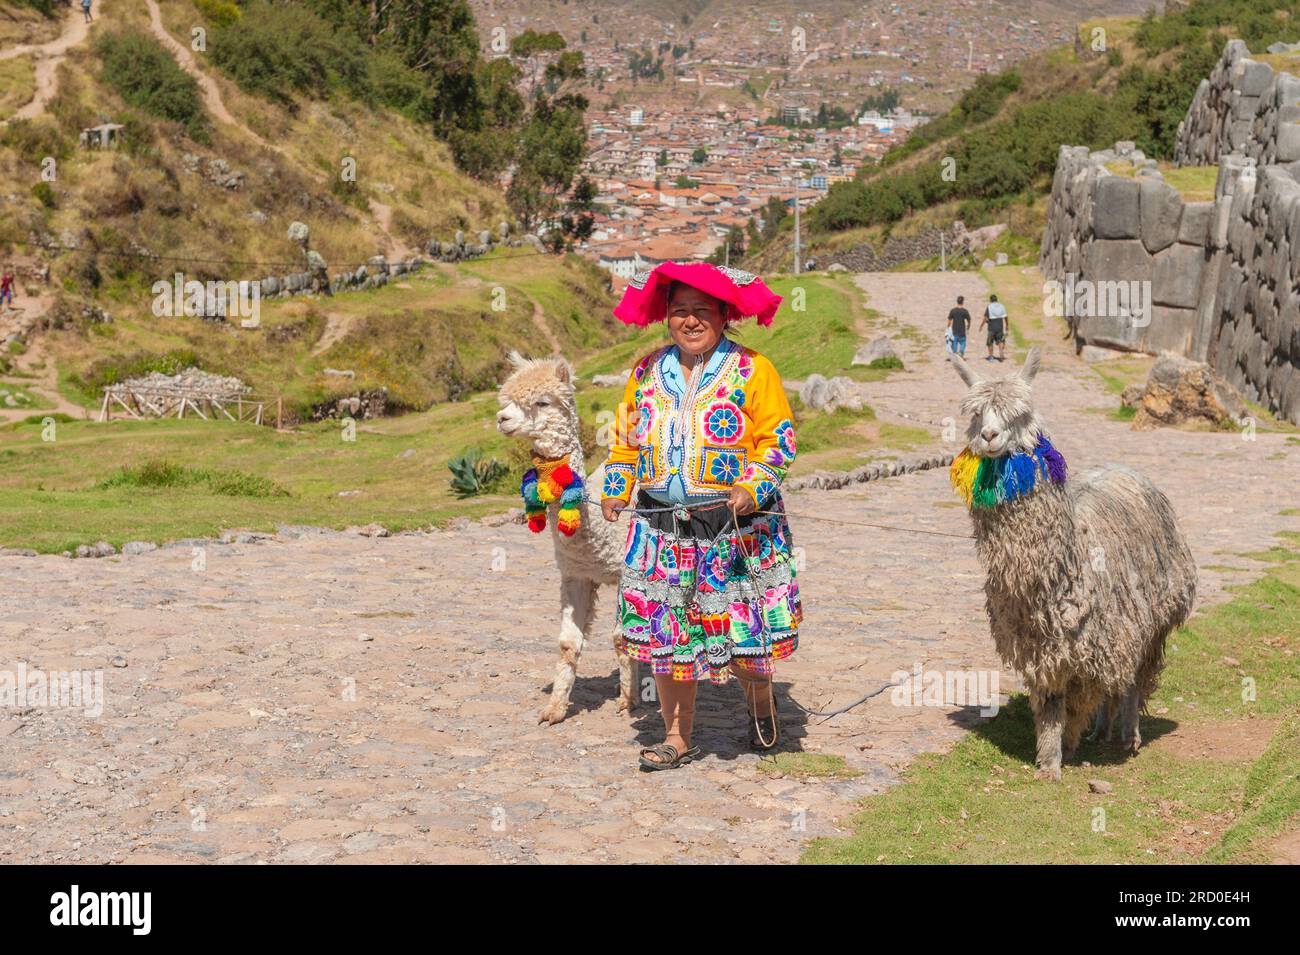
[(695, 598)]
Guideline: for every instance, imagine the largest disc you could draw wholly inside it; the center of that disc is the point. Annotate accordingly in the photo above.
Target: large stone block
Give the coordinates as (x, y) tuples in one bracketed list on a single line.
[(1255, 78), (1287, 147), (1279, 380), (1116, 260), (1288, 328), (1160, 209), (1176, 278), (1171, 329), (1115, 208), (1194, 226), (1289, 406)]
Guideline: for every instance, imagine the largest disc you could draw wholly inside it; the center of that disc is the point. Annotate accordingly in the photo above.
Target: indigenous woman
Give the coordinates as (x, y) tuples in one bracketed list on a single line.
[(708, 585)]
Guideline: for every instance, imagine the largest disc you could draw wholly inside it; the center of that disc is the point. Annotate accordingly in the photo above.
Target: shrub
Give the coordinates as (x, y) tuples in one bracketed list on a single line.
[(276, 51), (219, 13), (108, 371), (33, 141), (146, 77), (44, 194)]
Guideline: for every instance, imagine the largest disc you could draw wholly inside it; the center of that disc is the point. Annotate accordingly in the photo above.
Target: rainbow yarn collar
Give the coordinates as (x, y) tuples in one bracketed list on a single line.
[(988, 482), (548, 481)]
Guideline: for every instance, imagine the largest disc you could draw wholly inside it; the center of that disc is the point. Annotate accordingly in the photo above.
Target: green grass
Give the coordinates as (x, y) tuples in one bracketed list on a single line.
[(980, 803), (807, 766), (17, 84), (1271, 801), (89, 484), (1196, 183), (157, 474)]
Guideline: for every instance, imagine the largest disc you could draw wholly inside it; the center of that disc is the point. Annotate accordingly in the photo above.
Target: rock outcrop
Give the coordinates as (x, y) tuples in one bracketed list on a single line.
[(1181, 391), (820, 393)]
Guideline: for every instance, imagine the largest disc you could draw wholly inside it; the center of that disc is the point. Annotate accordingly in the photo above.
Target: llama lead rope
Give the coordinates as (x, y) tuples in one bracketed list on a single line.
[(752, 574), (771, 683)]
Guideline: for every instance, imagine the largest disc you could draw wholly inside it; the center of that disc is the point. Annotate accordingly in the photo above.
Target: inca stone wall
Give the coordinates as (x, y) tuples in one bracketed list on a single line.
[(1224, 275), (1245, 107), (1111, 230), (1252, 334), (378, 270), (897, 250)]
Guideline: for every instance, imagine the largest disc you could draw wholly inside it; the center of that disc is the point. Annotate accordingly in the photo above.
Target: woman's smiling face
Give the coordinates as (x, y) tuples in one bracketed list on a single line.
[(695, 319)]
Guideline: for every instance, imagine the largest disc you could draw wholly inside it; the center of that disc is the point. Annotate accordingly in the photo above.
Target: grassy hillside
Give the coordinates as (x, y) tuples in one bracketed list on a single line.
[(111, 223)]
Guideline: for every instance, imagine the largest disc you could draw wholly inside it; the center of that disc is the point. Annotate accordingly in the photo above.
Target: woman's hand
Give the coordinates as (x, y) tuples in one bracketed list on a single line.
[(610, 506), (740, 502)]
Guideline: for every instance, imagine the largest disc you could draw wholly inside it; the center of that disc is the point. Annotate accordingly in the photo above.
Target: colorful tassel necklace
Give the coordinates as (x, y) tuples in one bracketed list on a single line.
[(988, 482), (548, 481)]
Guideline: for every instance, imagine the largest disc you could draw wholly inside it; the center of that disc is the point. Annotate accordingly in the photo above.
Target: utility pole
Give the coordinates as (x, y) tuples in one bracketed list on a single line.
[(797, 269), (970, 55), (943, 256)]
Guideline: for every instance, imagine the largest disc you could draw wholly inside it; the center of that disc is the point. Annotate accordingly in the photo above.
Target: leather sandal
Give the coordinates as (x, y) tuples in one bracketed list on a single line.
[(669, 758)]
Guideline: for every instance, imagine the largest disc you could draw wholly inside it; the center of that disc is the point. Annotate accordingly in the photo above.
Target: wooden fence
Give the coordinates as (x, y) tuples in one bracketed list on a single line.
[(141, 403)]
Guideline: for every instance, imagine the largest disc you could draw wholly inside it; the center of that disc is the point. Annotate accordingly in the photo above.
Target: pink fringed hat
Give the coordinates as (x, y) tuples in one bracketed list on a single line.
[(645, 300)]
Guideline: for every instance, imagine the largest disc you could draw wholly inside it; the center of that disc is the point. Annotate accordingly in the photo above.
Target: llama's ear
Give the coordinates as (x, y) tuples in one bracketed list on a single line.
[(966, 371), (564, 371), (1031, 365), (517, 360)]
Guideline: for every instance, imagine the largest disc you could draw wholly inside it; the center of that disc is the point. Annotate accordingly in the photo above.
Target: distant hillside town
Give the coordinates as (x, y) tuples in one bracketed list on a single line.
[(673, 185)]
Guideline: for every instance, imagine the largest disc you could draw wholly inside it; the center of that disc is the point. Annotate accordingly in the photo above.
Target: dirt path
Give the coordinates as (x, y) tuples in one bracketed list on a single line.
[(332, 697), (337, 327), (394, 248), (45, 383), (212, 100), (48, 56), (539, 319)]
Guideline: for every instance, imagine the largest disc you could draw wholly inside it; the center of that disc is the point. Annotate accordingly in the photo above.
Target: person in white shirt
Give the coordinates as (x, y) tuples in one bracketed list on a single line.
[(998, 321)]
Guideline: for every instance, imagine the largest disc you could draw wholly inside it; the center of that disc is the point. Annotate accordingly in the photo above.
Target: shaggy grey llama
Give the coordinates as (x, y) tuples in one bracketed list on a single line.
[(1085, 578), (537, 404)]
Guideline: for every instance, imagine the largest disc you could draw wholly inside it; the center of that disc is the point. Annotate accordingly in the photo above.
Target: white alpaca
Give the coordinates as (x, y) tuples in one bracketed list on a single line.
[(537, 404)]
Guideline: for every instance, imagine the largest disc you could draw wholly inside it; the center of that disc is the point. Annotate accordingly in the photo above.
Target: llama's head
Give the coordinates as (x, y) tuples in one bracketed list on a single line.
[(537, 404), (1001, 410)]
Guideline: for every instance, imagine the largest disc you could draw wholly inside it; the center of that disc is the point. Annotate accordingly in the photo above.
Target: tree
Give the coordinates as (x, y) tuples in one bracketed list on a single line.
[(732, 247), (578, 219), (700, 155), (551, 147), (530, 47)]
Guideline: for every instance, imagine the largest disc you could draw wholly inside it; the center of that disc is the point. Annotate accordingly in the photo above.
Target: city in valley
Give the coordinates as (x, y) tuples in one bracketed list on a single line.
[(705, 113)]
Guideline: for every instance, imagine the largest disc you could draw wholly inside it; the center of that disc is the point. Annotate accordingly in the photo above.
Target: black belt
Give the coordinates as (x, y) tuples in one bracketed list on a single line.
[(703, 522)]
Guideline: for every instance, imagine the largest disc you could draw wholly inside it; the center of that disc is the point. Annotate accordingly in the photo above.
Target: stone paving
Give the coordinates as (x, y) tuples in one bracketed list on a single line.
[(322, 697)]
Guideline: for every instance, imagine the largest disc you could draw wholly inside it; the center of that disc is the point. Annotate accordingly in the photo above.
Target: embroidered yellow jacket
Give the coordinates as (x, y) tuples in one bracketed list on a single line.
[(734, 428)]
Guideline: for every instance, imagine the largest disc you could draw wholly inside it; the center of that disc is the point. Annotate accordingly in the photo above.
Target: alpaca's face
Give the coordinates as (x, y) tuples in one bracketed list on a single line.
[(1001, 410), (1002, 418), (537, 403)]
